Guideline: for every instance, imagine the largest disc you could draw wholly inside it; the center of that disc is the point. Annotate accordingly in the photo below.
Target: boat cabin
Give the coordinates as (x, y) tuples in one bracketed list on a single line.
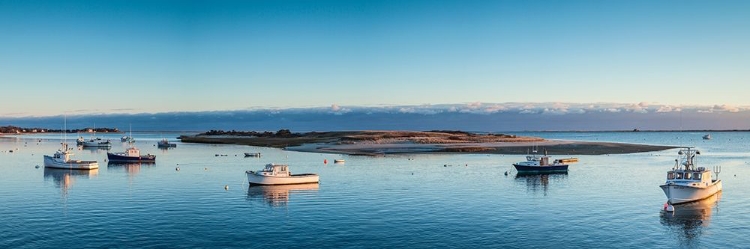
[(273, 169), (686, 173), (132, 152)]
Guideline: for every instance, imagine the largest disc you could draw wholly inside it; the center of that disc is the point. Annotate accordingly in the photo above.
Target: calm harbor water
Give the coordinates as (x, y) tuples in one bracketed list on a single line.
[(413, 201)]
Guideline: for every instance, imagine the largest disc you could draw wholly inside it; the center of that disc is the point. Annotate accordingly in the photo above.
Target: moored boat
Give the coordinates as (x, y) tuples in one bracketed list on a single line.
[(127, 139), (61, 160), (279, 174), (542, 164), (248, 154), (164, 143), (688, 183), (339, 161), (707, 137), (131, 154), (94, 142)]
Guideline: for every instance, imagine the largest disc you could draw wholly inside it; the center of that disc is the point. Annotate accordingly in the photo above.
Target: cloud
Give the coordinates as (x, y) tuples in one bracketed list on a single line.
[(726, 108), (338, 110), (665, 108)]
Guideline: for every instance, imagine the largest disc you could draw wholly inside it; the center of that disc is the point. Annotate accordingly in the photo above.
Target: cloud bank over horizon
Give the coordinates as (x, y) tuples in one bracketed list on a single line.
[(474, 116)]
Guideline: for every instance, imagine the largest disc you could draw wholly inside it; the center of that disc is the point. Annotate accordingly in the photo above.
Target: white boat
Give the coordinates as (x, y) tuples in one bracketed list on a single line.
[(688, 183), (279, 174), (61, 160), (707, 136), (339, 161), (127, 139)]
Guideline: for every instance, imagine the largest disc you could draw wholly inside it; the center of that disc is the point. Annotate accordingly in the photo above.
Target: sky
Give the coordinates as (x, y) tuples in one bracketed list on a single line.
[(113, 57)]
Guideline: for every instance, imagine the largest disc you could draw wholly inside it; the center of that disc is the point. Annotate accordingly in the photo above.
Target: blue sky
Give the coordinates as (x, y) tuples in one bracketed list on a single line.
[(162, 56)]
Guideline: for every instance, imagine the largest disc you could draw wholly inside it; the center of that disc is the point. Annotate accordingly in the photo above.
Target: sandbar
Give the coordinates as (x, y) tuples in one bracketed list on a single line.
[(376, 143)]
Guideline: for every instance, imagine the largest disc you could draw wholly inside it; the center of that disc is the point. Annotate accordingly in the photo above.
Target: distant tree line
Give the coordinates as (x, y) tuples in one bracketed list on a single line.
[(281, 133), (16, 129)]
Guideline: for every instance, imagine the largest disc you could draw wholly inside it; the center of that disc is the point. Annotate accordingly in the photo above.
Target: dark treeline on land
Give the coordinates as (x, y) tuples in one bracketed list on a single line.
[(16, 129), (280, 133)]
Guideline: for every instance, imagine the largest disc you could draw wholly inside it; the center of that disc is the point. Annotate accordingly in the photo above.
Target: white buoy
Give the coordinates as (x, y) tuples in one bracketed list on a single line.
[(226, 187), (177, 169), (668, 208)]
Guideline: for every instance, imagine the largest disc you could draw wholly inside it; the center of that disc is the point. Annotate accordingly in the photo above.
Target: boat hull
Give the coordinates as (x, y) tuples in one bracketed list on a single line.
[(677, 194), (255, 179), (50, 162), (541, 169), (112, 157)]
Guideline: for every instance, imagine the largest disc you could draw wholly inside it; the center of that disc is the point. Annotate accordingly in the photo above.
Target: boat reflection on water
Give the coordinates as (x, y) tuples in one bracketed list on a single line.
[(279, 195), (688, 220), (93, 150), (65, 178), (536, 181), (130, 168)]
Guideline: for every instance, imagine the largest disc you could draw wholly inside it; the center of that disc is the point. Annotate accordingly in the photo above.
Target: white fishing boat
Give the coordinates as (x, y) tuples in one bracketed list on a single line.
[(686, 182), (279, 174), (61, 160), (127, 139)]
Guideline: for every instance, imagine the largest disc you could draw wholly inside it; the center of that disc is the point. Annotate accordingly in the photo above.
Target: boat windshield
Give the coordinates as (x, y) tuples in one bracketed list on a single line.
[(697, 176), (670, 175), (678, 175)]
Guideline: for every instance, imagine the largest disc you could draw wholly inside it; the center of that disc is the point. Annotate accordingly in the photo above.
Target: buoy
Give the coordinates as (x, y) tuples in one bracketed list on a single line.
[(205, 168), (177, 169), (36, 166), (506, 173), (226, 187), (325, 161), (668, 208)]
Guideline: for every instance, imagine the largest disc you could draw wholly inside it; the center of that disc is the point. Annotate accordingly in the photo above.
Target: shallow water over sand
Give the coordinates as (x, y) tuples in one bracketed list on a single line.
[(419, 201)]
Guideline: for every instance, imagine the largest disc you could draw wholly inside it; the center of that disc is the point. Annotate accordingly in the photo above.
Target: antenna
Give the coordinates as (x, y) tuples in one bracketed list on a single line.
[(717, 170), (65, 128)]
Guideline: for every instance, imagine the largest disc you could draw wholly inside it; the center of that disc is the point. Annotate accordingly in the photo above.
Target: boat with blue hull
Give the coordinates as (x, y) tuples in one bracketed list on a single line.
[(542, 164), (132, 154)]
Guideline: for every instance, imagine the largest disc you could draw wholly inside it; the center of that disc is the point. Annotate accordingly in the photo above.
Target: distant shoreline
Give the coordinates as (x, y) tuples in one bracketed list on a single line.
[(375, 143)]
